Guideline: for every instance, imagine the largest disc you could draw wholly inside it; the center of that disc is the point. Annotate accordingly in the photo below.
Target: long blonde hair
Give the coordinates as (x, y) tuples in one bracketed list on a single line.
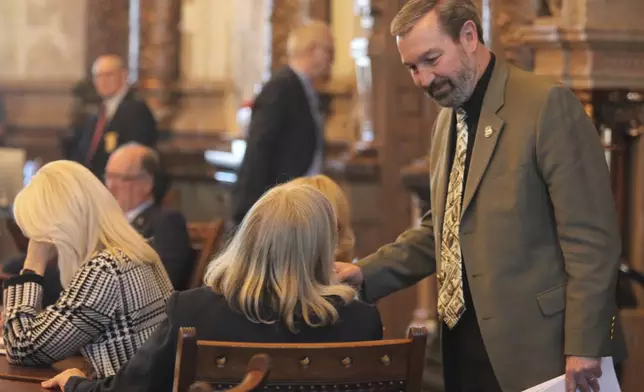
[(67, 206), (281, 260), (333, 192)]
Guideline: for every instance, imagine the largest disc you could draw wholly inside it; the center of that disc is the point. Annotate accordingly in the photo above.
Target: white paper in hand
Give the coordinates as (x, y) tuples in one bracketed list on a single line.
[(607, 382)]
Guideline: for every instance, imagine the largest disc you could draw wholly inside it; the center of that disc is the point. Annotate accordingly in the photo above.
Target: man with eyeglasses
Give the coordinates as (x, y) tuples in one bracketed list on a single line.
[(133, 175), (121, 117)]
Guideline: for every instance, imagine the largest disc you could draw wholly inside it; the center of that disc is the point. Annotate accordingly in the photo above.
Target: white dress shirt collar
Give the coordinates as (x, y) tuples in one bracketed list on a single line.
[(133, 213), (112, 103)]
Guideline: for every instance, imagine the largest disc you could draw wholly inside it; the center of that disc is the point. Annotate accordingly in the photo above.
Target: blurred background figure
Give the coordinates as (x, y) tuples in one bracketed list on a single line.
[(121, 118), (286, 132)]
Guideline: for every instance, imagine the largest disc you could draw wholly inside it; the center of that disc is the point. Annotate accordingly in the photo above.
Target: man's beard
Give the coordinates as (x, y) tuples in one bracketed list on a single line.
[(452, 93)]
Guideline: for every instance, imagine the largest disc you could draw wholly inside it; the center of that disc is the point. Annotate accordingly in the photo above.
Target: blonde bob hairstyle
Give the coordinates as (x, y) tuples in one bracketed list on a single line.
[(280, 261), (333, 192), (67, 206)]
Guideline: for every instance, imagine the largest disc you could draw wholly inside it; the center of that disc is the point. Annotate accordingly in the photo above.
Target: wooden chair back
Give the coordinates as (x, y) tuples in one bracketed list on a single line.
[(256, 374), (379, 366), (204, 238)]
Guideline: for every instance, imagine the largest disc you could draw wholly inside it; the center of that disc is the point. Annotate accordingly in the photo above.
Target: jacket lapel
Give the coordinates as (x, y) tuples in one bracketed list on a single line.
[(488, 131), (444, 126)]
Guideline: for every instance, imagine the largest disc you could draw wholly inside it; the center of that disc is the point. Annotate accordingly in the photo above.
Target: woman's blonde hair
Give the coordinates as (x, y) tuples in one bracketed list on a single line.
[(333, 192), (280, 261), (67, 206)]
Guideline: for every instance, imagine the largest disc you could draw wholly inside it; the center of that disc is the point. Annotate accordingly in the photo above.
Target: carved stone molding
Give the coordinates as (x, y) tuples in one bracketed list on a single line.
[(107, 29), (509, 17), (586, 58)]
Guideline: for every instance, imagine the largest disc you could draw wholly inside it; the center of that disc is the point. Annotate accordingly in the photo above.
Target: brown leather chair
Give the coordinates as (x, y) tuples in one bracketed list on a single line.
[(382, 366), (204, 238)]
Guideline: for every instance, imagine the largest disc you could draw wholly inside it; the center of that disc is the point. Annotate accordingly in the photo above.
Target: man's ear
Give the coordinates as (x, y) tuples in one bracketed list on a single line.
[(469, 36)]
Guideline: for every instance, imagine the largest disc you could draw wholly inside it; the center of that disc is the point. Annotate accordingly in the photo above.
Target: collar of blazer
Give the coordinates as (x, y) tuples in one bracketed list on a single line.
[(484, 147)]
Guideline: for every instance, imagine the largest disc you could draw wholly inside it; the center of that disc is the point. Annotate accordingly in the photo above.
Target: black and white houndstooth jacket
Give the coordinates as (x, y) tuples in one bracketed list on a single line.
[(108, 311)]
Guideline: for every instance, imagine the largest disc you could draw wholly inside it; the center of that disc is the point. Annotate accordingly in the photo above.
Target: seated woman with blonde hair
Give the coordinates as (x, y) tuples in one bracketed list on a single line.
[(333, 192), (114, 285), (272, 284)]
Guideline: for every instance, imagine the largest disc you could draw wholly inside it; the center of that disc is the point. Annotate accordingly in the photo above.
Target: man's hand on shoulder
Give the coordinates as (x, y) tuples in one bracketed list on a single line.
[(348, 273), (582, 373)]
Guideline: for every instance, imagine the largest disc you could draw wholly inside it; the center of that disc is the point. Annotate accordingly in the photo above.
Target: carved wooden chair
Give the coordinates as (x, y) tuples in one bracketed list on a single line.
[(256, 374), (376, 366), (204, 238)]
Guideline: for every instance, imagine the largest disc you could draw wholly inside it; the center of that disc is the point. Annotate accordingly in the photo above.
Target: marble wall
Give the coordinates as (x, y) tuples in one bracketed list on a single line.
[(42, 56), (42, 40)]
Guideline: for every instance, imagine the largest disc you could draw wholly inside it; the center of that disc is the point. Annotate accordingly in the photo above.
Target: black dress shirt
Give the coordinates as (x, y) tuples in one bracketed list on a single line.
[(466, 363)]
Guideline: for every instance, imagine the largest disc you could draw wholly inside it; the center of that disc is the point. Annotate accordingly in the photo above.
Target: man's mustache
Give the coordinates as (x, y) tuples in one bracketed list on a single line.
[(437, 85)]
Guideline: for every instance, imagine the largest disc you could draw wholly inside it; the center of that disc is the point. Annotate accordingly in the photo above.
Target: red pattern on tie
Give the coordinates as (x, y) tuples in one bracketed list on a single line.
[(98, 135)]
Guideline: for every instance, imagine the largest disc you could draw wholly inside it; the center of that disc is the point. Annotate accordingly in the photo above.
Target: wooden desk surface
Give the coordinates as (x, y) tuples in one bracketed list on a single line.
[(24, 373), (22, 386), (27, 379)]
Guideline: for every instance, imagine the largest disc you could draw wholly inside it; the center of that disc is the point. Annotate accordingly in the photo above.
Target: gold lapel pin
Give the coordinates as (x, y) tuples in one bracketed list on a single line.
[(488, 131)]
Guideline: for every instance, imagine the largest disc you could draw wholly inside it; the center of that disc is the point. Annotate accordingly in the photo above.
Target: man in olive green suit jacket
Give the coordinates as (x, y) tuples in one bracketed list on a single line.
[(538, 231)]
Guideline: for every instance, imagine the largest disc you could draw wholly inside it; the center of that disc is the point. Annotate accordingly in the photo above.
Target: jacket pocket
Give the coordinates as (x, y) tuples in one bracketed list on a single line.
[(552, 301)]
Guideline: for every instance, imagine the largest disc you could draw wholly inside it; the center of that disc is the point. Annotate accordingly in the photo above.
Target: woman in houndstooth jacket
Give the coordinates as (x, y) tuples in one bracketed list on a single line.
[(115, 287)]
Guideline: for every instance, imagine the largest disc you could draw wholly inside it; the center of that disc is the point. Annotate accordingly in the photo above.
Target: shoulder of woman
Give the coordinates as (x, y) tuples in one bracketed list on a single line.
[(102, 260)]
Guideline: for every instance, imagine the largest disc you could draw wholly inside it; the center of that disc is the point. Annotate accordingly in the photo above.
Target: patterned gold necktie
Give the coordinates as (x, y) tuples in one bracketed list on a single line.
[(451, 304)]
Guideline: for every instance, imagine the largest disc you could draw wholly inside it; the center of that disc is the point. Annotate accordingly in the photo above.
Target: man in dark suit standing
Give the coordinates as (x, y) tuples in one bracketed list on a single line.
[(122, 117), (286, 132), (522, 233), (133, 176)]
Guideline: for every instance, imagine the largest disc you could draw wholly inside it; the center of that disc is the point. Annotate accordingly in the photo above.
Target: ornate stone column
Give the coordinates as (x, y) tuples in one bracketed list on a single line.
[(597, 49), (320, 10), (508, 17), (158, 66), (107, 29), (286, 14)]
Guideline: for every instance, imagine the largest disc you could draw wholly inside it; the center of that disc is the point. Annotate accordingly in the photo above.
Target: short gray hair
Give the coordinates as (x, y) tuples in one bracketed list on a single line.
[(303, 36), (452, 15)]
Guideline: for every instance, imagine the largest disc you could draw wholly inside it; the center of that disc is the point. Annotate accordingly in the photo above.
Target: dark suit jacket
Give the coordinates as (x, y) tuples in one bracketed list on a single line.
[(282, 140), (538, 231), (132, 122), (168, 235), (152, 367)]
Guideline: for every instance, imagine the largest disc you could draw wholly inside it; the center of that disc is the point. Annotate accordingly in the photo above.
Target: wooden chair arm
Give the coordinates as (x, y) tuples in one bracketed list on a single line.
[(256, 373)]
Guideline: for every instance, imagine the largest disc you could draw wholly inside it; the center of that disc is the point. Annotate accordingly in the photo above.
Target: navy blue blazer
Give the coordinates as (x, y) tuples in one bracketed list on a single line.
[(132, 122), (167, 233)]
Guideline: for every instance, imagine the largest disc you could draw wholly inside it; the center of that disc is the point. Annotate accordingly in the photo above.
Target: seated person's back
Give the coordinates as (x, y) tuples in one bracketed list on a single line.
[(115, 287), (273, 283)]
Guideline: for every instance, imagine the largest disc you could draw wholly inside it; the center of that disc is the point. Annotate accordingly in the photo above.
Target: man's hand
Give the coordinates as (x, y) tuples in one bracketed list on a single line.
[(348, 273), (583, 373), (62, 378)]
